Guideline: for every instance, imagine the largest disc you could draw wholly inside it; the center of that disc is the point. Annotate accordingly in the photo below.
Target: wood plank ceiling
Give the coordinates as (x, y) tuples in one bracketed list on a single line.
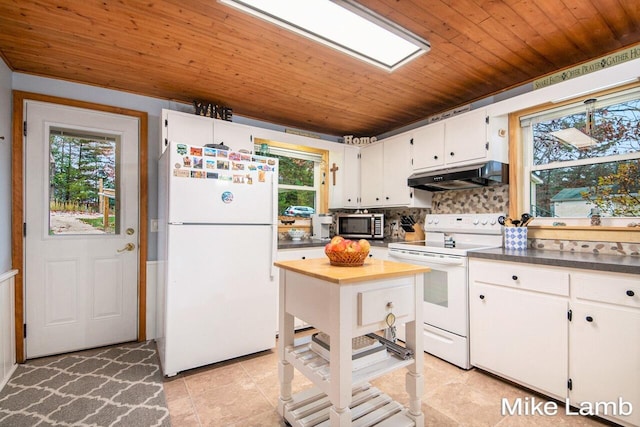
[(200, 49)]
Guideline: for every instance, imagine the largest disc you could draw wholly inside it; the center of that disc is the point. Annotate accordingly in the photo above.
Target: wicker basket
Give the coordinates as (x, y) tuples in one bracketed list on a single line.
[(347, 259)]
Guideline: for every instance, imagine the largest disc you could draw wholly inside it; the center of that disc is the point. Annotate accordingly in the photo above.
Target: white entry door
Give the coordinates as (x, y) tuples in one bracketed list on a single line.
[(81, 216)]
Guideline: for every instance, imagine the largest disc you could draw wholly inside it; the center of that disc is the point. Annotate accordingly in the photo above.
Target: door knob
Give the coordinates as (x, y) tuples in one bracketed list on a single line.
[(127, 248)]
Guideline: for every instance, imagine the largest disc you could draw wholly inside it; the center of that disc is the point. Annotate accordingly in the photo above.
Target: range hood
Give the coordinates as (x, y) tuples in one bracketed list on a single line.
[(464, 177)]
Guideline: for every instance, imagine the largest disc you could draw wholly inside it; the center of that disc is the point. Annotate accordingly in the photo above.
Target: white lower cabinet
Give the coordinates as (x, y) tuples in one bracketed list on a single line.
[(568, 333), (520, 334), (604, 344)]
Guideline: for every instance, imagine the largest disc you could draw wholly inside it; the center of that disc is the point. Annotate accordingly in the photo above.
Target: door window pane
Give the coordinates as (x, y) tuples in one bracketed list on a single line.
[(83, 183)]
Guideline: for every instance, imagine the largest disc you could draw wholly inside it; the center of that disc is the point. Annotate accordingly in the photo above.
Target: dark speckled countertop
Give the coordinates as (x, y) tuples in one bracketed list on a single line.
[(313, 243), (588, 261)]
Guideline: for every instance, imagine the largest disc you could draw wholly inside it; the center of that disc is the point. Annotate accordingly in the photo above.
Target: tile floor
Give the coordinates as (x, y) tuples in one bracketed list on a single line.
[(243, 393)]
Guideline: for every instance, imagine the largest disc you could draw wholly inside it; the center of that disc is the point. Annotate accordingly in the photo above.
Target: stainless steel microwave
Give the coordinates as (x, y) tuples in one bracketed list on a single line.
[(361, 226)]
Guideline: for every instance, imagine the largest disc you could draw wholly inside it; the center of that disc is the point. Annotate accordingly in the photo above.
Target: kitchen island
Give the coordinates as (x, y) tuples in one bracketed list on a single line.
[(348, 302)]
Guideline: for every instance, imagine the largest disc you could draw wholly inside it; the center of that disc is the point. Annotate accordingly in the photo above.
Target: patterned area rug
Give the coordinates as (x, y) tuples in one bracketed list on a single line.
[(110, 386)]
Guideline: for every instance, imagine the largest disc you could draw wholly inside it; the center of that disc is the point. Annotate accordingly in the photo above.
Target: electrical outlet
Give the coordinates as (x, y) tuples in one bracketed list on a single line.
[(154, 226)]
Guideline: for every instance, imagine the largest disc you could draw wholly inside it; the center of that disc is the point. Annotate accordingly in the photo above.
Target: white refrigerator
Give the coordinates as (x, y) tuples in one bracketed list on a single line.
[(217, 243)]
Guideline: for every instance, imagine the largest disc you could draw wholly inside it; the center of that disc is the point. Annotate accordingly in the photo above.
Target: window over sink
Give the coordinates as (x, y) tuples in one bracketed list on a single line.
[(581, 159)]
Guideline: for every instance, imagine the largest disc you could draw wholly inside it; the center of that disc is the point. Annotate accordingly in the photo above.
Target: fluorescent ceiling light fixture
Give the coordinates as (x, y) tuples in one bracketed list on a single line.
[(343, 25), (574, 137)]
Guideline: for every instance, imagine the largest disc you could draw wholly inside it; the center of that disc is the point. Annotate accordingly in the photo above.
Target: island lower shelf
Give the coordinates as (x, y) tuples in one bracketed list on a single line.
[(369, 407), (318, 370)]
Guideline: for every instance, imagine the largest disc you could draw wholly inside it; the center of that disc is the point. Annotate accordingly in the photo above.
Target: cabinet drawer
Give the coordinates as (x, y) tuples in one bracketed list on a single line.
[(374, 306), (621, 289), (549, 280)]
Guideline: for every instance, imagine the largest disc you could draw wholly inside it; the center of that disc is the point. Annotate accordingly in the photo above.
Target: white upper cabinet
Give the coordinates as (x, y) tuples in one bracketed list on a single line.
[(428, 146), (371, 174), (396, 170), (384, 169), (199, 130), (460, 140), (185, 128), (234, 135), (465, 137), (350, 177)]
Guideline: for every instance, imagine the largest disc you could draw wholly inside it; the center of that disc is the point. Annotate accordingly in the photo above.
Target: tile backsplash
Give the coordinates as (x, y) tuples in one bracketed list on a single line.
[(492, 199), (605, 248)]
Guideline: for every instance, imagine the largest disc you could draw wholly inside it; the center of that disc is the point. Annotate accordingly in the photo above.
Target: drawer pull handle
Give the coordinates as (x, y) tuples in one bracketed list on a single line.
[(589, 319), (481, 296), (630, 293), (514, 277)]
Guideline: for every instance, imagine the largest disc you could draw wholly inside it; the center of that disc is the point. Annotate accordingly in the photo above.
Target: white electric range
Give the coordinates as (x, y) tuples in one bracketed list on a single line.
[(449, 237)]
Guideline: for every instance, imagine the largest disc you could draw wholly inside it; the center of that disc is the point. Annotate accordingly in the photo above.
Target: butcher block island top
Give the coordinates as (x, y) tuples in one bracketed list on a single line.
[(372, 269)]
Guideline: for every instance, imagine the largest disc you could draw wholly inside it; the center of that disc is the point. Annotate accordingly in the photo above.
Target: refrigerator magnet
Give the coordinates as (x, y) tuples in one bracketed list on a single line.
[(195, 151), (211, 164), (249, 179), (197, 174), (238, 179), (223, 164), (237, 166), (182, 173), (212, 175), (181, 149), (197, 163), (210, 152), (187, 161), (227, 197)]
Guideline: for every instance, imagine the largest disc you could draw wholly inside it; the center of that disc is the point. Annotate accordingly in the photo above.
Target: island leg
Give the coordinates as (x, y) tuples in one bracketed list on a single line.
[(341, 315), (286, 332), (415, 378)]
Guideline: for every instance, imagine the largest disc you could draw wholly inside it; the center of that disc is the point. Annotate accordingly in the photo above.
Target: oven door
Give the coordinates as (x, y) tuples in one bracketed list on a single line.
[(445, 289)]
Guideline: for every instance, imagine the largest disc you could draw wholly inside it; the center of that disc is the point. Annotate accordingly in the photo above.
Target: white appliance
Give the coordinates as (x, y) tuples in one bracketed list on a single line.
[(449, 237), (217, 243), (320, 225)]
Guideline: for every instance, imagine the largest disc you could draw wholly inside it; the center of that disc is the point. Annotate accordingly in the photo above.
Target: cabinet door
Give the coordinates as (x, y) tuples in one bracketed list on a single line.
[(428, 146), (465, 137), (605, 356), (186, 128), (351, 177), (520, 335), (396, 170), (302, 253), (372, 179), (235, 136), (378, 253)]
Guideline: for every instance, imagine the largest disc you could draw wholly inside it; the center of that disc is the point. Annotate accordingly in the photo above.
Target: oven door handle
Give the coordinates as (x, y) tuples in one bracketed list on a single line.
[(426, 259)]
